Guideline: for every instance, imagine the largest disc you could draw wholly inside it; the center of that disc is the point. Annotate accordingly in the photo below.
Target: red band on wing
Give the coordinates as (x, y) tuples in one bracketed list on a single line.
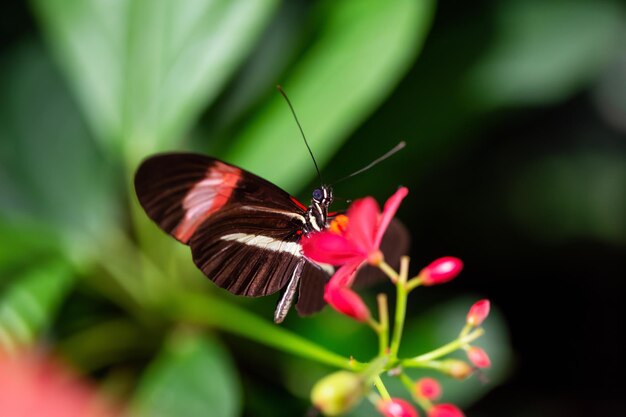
[(206, 197), (297, 203)]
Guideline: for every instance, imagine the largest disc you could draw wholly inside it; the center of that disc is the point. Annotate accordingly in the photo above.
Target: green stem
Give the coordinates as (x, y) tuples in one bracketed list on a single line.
[(401, 297), (378, 382), (199, 309), (413, 283), (389, 271), (443, 350), (383, 312)]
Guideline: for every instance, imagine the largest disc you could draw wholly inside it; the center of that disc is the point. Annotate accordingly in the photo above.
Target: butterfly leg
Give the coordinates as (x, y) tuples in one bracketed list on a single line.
[(288, 294)]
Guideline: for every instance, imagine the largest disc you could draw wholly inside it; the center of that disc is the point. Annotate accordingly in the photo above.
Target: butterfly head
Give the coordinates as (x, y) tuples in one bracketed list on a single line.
[(322, 196), (317, 214)]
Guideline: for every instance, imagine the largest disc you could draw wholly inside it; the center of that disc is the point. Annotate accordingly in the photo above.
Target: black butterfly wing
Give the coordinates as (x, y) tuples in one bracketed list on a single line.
[(244, 231), (179, 191)]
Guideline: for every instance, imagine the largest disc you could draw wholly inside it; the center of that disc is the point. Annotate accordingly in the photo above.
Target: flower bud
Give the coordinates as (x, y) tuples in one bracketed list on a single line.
[(396, 407), (428, 388), (347, 302), (478, 357), (478, 313), (441, 270), (337, 393), (456, 368), (445, 410)]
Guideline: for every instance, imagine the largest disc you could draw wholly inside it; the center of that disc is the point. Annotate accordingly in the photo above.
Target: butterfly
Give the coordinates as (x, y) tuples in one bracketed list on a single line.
[(244, 232)]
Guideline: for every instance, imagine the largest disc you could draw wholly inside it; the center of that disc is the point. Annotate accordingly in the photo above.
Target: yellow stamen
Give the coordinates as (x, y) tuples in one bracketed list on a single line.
[(339, 224)]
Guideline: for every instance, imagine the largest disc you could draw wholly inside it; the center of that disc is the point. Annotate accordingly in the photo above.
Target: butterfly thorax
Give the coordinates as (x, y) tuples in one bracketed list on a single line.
[(317, 212)]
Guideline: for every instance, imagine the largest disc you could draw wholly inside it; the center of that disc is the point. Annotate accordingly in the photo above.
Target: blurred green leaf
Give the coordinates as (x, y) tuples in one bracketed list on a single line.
[(49, 166), (543, 51), (362, 49), (29, 303), (21, 243), (144, 69), (193, 376)]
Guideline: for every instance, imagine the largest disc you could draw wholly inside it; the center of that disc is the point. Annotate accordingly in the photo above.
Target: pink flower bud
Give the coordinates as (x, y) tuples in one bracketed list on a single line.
[(347, 302), (478, 313), (478, 357), (456, 368), (337, 393), (445, 410), (396, 407), (428, 388), (441, 270)]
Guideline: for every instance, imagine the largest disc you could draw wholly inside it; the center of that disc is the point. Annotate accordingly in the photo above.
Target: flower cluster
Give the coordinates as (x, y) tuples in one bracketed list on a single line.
[(351, 241)]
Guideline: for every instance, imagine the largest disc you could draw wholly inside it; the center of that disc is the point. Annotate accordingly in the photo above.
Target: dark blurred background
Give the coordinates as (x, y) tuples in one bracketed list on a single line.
[(514, 114)]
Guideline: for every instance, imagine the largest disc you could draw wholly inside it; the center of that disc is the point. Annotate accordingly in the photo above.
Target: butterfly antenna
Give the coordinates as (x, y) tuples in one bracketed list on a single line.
[(392, 151), (282, 92)]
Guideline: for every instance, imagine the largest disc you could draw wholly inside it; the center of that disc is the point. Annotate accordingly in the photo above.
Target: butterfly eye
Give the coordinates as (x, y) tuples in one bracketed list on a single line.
[(317, 194)]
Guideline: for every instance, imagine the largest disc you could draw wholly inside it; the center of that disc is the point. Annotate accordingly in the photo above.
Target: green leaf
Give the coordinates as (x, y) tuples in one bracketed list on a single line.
[(193, 376), (29, 303), (144, 69), (50, 171), (361, 51)]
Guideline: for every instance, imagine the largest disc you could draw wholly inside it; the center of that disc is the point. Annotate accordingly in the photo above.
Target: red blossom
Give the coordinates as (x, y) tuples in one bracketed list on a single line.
[(441, 270), (396, 407), (359, 240), (346, 301), (33, 386), (478, 357), (350, 241), (478, 313), (445, 410), (428, 388)]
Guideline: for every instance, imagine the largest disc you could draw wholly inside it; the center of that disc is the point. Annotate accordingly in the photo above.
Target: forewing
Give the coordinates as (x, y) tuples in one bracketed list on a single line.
[(179, 191)]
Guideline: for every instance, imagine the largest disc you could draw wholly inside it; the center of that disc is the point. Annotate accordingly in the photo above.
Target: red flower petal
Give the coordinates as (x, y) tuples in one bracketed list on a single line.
[(478, 357), (396, 407), (363, 215), (445, 410), (428, 388), (441, 270), (391, 207), (330, 248), (478, 313), (347, 302), (344, 276)]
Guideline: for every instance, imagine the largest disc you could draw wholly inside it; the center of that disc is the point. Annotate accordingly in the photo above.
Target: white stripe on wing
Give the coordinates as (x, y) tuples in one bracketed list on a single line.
[(265, 242)]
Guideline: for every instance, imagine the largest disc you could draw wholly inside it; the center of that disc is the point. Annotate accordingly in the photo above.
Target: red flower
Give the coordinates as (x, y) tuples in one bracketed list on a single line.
[(32, 386), (478, 357), (428, 388), (396, 407), (343, 299), (351, 241), (478, 313), (441, 270), (445, 410), (359, 240)]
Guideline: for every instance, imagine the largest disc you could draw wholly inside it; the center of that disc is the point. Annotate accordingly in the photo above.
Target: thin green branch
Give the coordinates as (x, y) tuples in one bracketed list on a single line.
[(401, 299), (417, 361), (198, 309)]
